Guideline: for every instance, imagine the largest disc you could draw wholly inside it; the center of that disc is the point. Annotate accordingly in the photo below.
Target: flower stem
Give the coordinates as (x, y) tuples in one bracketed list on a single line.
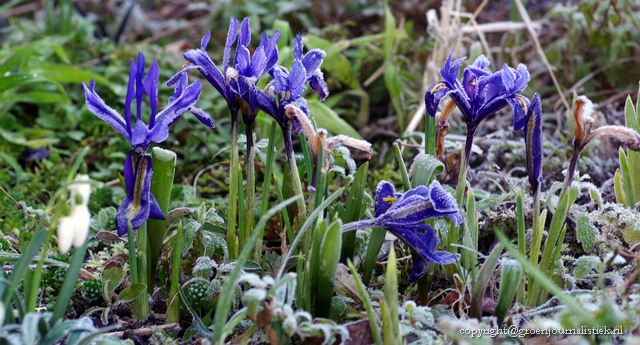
[(173, 303), (251, 188), (570, 171), (293, 167), (141, 304), (452, 237), (233, 189)]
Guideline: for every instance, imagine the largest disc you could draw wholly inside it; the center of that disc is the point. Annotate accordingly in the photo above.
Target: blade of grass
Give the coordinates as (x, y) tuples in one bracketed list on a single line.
[(368, 307)]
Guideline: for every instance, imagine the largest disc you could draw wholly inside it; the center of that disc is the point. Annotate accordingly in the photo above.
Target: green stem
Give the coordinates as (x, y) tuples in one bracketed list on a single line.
[(141, 304), (266, 183), (133, 259), (233, 189), (570, 172), (293, 167), (251, 191), (173, 303)]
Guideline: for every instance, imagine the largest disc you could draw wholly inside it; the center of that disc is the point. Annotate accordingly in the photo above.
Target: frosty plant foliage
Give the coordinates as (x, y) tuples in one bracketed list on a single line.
[(139, 204)]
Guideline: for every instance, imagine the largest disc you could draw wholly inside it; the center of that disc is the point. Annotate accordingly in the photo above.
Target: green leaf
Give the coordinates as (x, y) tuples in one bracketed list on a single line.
[(425, 169), (329, 259), (482, 279), (27, 80), (18, 139), (68, 74), (586, 232), (19, 56), (390, 324), (13, 163), (510, 276), (368, 307), (111, 278), (36, 97), (328, 119), (630, 115), (627, 182), (334, 62), (470, 236), (373, 249), (522, 244), (131, 293), (619, 189), (585, 264), (389, 32), (354, 211)]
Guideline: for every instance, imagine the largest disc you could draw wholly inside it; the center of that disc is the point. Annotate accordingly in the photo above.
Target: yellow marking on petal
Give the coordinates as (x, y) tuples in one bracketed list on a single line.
[(185, 65), (437, 86), (140, 167), (389, 199), (132, 211), (524, 105), (287, 95)]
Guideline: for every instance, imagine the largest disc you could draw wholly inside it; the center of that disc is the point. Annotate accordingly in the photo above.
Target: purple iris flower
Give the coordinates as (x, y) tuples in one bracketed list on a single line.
[(533, 135), (480, 93), (404, 214), (247, 69), (237, 82), (288, 85), (139, 204)]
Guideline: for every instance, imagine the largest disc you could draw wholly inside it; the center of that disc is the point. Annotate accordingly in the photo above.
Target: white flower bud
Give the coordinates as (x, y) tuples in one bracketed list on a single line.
[(82, 219), (73, 229), (65, 234)]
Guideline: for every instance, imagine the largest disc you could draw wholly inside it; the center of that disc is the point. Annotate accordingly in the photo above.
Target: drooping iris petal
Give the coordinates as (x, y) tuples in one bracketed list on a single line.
[(200, 60), (403, 214), (422, 240), (385, 196), (136, 205), (435, 93), (169, 115), (288, 85), (99, 108)]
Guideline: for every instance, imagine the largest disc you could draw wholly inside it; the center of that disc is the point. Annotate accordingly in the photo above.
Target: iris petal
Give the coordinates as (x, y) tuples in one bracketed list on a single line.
[(232, 34), (99, 108), (385, 196), (533, 135)]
